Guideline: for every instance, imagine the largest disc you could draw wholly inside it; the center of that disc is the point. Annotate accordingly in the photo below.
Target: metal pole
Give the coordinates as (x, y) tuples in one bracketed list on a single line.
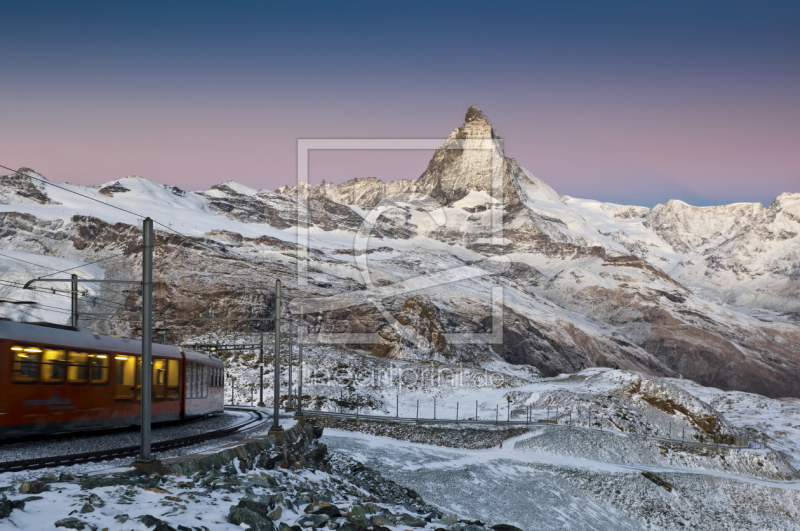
[(397, 408), (417, 410), (476, 410), (341, 401), (147, 334), (300, 361), (434, 408), (75, 300), (570, 417), (289, 401), (276, 406), (261, 372), (496, 414), (456, 412)]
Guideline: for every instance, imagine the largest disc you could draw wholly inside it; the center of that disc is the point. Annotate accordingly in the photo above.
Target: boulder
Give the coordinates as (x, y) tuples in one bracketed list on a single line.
[(33, 487), (313, 520), (505, 527), (328, 509), (357, 516), (257, 522)]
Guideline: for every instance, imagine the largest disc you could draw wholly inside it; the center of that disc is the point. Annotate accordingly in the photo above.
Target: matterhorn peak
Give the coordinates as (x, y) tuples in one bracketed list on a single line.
[(474, 114)]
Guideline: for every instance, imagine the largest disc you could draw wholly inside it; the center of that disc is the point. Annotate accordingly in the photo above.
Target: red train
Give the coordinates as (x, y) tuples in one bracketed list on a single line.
[(59, 379)]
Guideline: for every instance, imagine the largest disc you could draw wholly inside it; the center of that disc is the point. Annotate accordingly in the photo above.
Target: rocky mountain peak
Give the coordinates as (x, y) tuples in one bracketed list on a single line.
[(474, 114)]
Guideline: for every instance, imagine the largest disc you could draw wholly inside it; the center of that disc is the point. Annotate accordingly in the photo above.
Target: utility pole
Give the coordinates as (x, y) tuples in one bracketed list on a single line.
[(75, 300), (289, 401), (299, 411), (276, 425), (145, 461), (261, 372)]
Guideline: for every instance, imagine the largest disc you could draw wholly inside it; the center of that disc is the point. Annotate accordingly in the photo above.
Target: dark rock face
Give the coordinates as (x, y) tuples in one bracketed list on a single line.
[(22, 186), (115, 188)]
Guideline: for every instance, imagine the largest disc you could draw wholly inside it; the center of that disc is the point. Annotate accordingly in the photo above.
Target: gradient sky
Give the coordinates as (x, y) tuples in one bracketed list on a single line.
[(632, 102)]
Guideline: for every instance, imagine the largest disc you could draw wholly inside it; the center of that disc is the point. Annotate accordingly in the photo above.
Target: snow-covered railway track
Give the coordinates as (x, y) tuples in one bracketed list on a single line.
[(256, 418)]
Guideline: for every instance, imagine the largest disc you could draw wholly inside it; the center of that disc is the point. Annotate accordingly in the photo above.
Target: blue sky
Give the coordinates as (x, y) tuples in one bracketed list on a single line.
[(633, 102)]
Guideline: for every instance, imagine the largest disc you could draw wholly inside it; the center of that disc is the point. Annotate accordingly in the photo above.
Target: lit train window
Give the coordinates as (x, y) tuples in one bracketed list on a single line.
[(77, 367), (173, 380), (54, 366), (26, 364), (125, 377), (159, 378), (98, 369)]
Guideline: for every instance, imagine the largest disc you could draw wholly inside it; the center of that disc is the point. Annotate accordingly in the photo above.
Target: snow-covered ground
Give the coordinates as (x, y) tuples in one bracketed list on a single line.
[(543, 491)]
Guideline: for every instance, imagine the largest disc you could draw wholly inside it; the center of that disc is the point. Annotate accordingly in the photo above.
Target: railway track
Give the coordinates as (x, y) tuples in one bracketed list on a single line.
[(256, 418)]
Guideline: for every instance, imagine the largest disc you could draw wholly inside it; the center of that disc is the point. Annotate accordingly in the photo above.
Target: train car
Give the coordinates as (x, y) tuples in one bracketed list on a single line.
[(60, 379)]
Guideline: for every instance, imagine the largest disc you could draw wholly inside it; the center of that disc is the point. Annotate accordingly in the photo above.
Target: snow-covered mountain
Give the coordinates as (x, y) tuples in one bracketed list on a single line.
[(709, 294)]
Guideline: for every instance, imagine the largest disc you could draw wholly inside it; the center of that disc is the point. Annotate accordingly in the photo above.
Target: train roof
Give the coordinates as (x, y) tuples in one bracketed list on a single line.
[(85, 338)]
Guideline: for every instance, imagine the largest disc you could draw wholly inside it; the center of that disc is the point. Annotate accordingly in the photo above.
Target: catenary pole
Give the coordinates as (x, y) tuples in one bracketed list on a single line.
[(75, 300), (277, 394), (147, 336), (289, 400), (261, 371), (300, 362)]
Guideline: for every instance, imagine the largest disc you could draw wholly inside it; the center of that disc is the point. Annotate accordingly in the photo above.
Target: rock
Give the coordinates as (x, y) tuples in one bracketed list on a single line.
[(286, 527), (411, 521), (276, 514), (371, 508), (33, 487), (74, 523), (380, 519), (261, 505), (7, 506), (328, 509), (158, 525), (357, 516), (238, 516), (313, 520), (32, 498), (317, 431), (96, 500), (505, 527), (87, 508), (349, 526)]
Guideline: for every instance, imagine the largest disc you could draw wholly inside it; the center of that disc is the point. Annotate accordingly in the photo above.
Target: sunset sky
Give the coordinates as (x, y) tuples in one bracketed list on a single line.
[(631, 102)]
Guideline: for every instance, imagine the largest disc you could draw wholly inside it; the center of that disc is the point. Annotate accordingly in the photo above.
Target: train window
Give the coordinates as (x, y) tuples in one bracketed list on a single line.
[(159, 378), (190, 380), (77, 367), (98, 369), (204, 381), (54, 366), (173, 379), (26, 364), (125, 377)]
